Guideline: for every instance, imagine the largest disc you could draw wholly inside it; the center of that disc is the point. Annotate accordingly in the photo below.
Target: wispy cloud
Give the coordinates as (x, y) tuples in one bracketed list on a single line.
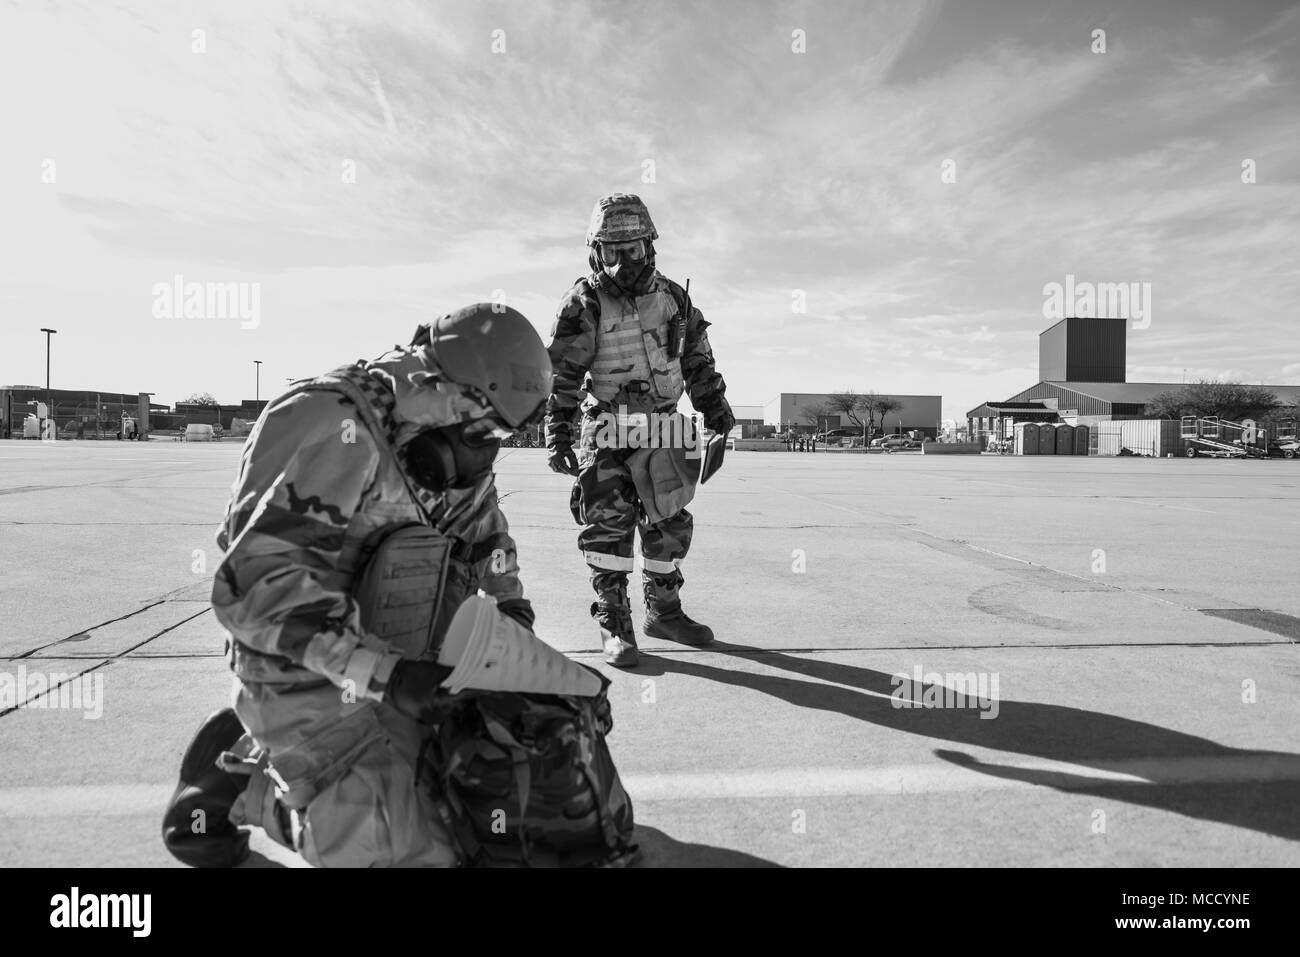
[(375, 165)]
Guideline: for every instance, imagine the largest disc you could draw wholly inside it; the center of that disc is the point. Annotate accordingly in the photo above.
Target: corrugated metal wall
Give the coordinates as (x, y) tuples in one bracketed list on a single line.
[(1066, 399), (1095, 350), (1051, 353)]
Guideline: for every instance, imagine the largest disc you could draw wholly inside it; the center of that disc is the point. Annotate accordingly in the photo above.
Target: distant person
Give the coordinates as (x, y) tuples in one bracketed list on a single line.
[(812, 443)]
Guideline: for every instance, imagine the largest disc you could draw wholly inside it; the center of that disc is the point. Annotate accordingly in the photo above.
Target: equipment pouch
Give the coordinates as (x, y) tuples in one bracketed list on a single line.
[(665, 481), (399, 588), (575, 504)]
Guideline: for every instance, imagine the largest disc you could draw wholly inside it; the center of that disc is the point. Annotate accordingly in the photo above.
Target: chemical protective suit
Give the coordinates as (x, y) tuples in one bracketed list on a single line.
[(630, 339), (321, 747)]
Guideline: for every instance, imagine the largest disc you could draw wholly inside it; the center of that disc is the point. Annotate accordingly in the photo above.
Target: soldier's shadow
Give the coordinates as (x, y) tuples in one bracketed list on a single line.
[(1164, 760), (660, 850), (657, 850)]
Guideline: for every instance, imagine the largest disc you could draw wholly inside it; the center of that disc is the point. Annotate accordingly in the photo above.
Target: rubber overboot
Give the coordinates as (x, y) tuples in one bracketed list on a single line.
[(195, 826), (616, 634), (664, 617)]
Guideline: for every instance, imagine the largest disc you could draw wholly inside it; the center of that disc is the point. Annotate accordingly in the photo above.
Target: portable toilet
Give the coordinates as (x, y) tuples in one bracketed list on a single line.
[(1029, 441), (1065, 440), (1081, 433), (1046, 439)]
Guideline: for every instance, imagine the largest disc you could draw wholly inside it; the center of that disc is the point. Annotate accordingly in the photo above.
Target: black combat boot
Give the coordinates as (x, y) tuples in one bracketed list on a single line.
[(195, 827), (613, 613), (664, 617)]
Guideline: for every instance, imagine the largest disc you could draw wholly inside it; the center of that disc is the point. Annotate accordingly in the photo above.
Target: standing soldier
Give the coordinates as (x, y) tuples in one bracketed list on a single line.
[(632, 338)]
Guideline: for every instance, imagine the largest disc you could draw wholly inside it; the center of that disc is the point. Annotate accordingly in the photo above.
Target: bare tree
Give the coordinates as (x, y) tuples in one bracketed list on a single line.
[(813, 414), (848, 403), (875, 405)]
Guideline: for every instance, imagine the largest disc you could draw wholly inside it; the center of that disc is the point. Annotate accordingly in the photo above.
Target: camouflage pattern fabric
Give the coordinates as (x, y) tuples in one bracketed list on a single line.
[(632, 346), (314, 482), (573, 347), (605, 502), (528, 781), (663, 592)]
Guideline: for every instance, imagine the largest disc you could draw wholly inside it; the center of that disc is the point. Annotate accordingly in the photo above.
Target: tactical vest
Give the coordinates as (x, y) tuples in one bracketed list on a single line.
[(631, 344)]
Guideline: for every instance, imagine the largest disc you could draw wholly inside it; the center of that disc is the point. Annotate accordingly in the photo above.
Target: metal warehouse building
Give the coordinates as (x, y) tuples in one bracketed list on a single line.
[(1081, 368)]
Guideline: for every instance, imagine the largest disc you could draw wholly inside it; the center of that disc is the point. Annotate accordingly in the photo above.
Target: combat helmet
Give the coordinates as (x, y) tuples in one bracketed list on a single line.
[(620, 218), (494, 350)]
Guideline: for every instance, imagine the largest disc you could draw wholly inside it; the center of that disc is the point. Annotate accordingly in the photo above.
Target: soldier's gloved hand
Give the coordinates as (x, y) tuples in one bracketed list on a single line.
[(412, 686), (562, 459), (722, 423), (520, 609)]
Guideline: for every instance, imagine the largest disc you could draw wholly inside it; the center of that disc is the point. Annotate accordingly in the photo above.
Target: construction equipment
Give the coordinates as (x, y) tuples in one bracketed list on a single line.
[(1218, 438)]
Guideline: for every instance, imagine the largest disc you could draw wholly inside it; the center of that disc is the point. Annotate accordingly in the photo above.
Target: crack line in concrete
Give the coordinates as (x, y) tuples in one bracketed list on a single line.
[(104, 660), (87, 631)]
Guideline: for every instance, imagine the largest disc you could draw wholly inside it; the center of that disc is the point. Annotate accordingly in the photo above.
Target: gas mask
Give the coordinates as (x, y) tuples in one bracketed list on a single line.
[(628, 265), (454, 456)]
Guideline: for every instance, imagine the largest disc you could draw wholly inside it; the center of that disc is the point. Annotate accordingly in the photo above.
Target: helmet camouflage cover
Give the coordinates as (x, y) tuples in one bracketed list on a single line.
[(620, 218), (495, 351)]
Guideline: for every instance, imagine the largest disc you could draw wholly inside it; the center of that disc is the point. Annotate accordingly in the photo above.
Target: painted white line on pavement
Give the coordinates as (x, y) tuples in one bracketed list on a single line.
[(124, 800), (949, 778), (1183, 508)]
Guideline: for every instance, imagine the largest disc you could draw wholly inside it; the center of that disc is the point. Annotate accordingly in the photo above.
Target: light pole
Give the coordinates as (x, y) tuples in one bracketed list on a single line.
[(257, 389), (49, 400)]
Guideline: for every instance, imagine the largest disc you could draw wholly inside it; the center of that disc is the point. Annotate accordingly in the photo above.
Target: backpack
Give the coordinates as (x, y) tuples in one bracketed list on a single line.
[(527, 780)]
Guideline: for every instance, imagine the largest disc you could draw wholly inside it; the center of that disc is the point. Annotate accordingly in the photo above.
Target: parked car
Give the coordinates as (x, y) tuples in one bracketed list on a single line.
[(838, 436), (197, 433), (891, 442)]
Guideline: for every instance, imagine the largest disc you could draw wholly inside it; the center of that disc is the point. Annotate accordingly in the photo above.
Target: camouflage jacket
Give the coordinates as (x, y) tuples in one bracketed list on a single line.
[(313, 483), (573, 345)]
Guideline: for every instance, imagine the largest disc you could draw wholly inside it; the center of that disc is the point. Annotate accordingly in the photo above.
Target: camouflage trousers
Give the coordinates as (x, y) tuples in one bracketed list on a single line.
[(606, 504), (337, 781)]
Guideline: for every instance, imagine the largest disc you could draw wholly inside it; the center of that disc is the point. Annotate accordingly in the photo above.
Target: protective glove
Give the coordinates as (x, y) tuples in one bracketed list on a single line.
[(412, 686), (562, 459), (721, 423), (520, 609)]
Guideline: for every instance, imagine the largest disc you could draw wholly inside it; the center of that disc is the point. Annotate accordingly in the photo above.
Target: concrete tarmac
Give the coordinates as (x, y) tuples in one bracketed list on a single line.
[(1119, 722)]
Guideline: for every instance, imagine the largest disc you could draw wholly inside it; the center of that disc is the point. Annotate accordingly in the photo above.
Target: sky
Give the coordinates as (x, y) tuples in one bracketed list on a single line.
[(863, 195)]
